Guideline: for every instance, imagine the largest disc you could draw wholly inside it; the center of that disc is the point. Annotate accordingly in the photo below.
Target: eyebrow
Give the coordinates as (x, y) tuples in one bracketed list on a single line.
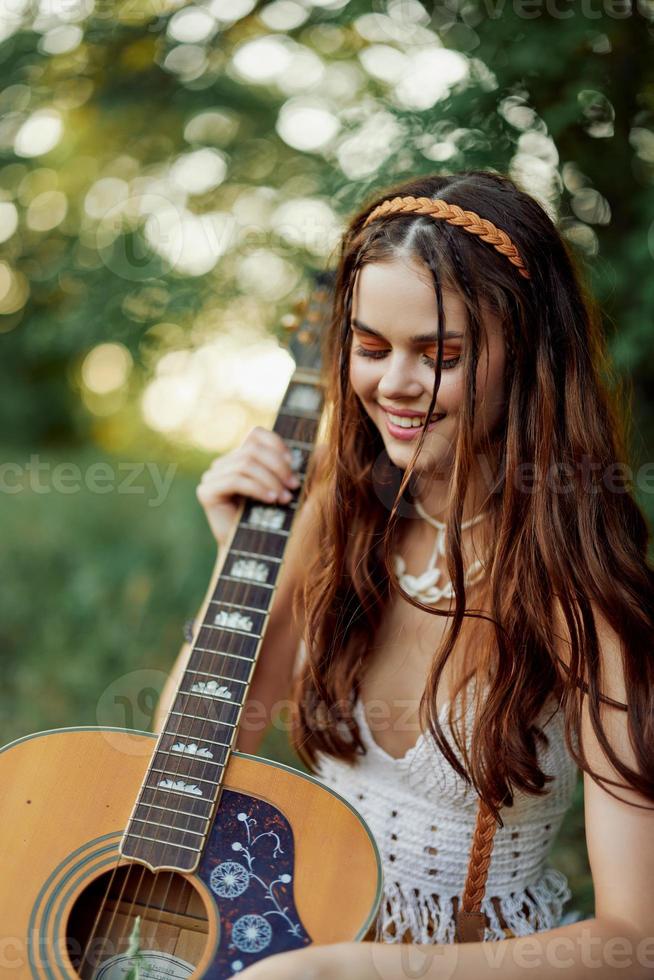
[(423, 338)]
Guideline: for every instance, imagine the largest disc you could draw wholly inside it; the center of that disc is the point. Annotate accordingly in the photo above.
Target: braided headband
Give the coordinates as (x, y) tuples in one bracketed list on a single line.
[(455, 215)]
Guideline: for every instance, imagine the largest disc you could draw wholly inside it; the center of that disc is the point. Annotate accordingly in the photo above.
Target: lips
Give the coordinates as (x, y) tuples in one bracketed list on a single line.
[(404, 412), (406, 432)]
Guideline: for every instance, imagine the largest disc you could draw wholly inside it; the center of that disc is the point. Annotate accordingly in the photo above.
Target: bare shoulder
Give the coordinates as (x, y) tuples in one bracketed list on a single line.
[(610, 645), (611, 706)]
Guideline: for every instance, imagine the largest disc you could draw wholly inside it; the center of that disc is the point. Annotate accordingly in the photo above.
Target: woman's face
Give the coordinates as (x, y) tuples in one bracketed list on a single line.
[(392, 361)]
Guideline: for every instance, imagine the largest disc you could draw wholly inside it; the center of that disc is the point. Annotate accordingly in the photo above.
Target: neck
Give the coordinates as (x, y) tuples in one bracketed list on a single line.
[(435, 490)]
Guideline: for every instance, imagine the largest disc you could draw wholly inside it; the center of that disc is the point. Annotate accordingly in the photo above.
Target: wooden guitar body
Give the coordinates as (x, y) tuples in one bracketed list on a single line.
[(286, 863)]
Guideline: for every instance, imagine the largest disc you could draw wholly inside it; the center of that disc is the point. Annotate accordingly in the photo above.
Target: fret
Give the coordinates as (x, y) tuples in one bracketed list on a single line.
[(182, 756), (211, 710), (253, 554), (235, 605), (260, 541), (198, 729), (303, 398), (194, 806), (268, 518), (169, 826), (261, 585), (305, 374), (223, 653), (187, 766), (296, 429), (176, 775), (218, 752), (170, 811), (155, 840), (206, 694), (232, 629), (181, 788), (304, 445), (300, 413), (221, 640), (203, 718), (238, 593), (212, 689), (217, 677), (259, 570), (227, 666), (235, 619), (271, 530)]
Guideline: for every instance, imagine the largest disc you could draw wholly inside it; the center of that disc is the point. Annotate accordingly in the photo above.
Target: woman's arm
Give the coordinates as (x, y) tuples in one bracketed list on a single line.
[(588, 950)]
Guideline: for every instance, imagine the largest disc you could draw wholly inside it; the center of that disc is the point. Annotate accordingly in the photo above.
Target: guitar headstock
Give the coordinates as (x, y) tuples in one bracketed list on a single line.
[(305, 324)]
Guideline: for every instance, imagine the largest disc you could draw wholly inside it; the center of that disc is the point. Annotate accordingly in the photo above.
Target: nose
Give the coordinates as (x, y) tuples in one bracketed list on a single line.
[(399, 379)]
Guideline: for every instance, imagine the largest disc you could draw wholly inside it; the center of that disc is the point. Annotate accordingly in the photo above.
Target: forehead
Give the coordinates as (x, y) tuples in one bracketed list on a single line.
[(400, 292), (397, 298)]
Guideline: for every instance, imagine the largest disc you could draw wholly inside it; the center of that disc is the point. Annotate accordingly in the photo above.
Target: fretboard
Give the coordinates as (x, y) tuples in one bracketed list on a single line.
[(176, 804)]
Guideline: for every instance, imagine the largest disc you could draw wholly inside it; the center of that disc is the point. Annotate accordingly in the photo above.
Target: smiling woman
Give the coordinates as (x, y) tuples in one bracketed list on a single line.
[(474, 628), (463, 371)]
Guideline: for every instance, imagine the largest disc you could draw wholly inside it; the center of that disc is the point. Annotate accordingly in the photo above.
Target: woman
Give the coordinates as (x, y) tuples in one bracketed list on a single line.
[(469, 576)]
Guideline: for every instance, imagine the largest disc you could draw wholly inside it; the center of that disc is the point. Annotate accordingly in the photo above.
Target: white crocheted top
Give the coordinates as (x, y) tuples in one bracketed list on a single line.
[(422, 815)]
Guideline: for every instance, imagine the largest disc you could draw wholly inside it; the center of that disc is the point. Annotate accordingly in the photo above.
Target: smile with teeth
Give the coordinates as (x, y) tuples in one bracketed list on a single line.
[(406, 422)]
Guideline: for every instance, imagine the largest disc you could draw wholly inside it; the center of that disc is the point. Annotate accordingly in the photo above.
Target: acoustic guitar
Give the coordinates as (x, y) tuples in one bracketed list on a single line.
[(126, 854)]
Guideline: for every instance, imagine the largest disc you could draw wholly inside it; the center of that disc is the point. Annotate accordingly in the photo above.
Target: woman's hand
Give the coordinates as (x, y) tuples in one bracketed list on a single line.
[(340, 961), (260, 467)]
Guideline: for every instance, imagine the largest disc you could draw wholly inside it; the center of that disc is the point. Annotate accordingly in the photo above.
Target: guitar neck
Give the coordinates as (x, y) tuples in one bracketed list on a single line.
[(182, 785)]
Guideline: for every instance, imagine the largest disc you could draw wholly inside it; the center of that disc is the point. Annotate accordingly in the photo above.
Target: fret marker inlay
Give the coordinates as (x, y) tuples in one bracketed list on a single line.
[(304, 398), (191, 749), (250, 569), (179, 786), (234, 620), (212, 688), (269, 518)]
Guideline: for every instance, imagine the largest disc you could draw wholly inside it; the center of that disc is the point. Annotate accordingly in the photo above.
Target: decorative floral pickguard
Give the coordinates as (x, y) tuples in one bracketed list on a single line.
[(248, 863)]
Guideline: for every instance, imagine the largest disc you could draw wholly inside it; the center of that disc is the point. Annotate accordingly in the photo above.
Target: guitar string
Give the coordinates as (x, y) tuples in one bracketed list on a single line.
[(259, 534)]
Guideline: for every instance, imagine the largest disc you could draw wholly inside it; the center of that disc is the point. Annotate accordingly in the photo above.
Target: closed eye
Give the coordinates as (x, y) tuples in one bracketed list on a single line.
[(377, 352)]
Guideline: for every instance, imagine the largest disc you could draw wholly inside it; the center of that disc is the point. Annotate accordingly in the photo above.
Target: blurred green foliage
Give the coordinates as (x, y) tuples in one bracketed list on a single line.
[(97, 586)]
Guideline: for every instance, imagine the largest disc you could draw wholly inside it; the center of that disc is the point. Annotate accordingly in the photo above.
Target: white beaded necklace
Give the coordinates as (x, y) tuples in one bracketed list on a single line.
[(423, 587)]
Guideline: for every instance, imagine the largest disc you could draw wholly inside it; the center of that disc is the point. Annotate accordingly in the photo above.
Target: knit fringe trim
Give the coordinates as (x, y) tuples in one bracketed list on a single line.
[(536, 908)]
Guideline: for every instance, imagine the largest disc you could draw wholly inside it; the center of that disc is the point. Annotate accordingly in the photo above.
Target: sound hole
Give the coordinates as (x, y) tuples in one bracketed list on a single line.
[(166, 908)]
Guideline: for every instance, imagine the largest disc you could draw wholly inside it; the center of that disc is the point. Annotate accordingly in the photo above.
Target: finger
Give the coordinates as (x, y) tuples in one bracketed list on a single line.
[(278, 464), (249, 483), (266, 438), (266, 474)]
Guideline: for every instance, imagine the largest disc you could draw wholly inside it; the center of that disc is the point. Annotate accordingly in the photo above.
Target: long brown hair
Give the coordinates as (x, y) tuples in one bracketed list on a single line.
[(564, 406)]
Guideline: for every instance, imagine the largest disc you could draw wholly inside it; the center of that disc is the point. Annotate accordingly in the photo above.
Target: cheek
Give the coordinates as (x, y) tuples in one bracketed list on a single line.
[(364, 375)]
